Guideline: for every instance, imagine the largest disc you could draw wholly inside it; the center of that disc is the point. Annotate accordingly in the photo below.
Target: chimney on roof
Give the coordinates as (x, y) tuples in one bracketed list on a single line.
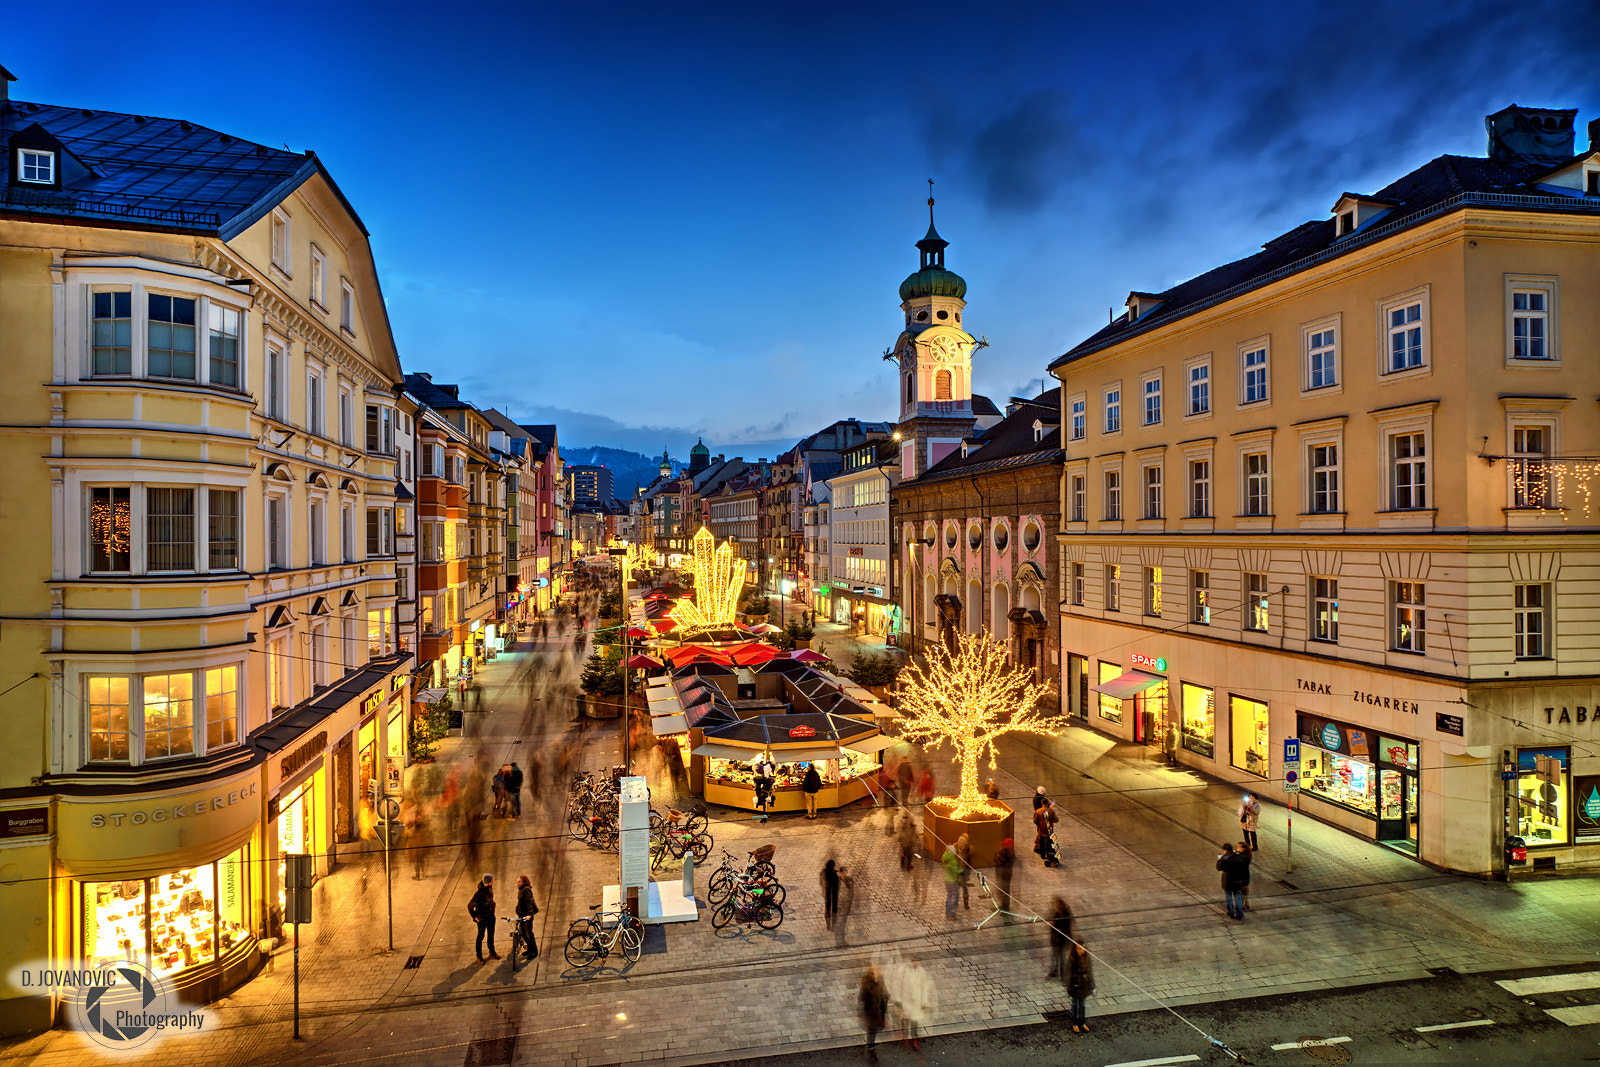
[(6, 78), (1594, 135), (1530, 134)]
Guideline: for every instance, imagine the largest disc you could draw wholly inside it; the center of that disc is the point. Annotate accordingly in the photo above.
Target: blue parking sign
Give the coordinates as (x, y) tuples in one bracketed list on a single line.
[(1291, 750)]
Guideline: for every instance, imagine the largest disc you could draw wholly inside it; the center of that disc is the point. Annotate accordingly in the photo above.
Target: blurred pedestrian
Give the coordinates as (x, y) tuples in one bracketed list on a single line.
[(904, 776), (535, 776), (1044, 824), (1244, 850), (414, 816), (908, 840), (1080, 985), (952, 880), (916, 996), (1039, 799), (1250, 818), (498, 783), (927, 787), (830, 892), (811, 784), (1060, 935), (514, 790), (885, 787), (874, 999), (991, 790), (481, 908), (1005, 863), (964, 854), (1235, 876)]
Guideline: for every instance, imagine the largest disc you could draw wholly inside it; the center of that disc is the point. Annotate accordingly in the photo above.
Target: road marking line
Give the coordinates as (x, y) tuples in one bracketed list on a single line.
[(1155, 1063), (1309, 1043), (1582, 1015), (1551, 983), (1453, 1026)]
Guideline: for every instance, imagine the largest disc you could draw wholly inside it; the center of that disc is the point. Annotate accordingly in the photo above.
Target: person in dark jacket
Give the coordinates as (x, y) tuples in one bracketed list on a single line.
[(1235, 876), (1244, 850), (481, 908), (1044, 824), (1060, 937), (1039, 799), (904, 777), (1080, 985), (964, 854), (526, 910), (812, 784), (991, 790), (1005, 863), (514, 790), (874, 1008), (830, 892)]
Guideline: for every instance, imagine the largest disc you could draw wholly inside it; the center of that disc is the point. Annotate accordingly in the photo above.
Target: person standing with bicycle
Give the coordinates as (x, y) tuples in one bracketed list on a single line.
[(526, 910)]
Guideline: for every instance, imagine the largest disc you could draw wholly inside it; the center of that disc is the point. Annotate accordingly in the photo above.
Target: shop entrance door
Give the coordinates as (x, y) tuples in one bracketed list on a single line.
[(1397, 809)]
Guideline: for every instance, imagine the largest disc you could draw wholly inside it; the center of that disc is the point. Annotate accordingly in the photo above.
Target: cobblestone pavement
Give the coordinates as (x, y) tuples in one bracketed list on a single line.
[(1139, 841)]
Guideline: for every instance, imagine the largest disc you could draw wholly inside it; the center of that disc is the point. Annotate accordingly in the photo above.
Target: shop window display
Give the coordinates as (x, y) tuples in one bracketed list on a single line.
[(1249, 719), (1341, 779), (177, 917), (294, 832), (1110, 707), (1543, 811), (790, 775), (1199, 724)]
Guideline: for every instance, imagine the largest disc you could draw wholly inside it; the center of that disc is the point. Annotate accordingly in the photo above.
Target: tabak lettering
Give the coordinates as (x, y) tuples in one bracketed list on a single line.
[(1577, 714), (1393, 703), (1308, 686), (219, 802)]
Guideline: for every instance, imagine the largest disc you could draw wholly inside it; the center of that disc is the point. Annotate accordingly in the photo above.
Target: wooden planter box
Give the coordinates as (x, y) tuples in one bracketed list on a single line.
[(984, 832), (601, 707)]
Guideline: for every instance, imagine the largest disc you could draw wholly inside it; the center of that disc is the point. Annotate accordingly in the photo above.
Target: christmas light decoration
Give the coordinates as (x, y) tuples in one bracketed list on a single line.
[(967, 700), (718, 578)]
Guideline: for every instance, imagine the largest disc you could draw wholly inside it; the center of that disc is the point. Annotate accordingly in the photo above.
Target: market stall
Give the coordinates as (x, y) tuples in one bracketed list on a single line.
[(844, 750)]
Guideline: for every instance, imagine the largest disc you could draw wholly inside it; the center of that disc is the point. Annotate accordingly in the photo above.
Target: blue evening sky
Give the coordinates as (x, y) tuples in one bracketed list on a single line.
[(650, 222)]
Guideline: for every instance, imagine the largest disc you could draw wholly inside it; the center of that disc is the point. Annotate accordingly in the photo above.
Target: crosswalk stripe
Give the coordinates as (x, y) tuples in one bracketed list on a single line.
[(1550, 983), (1310, 1042), (1156, 1062), (1453, 1026), (1582, 1015)]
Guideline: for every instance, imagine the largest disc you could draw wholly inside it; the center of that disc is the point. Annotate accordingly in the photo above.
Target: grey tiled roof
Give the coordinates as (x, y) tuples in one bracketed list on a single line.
[(153, 173)]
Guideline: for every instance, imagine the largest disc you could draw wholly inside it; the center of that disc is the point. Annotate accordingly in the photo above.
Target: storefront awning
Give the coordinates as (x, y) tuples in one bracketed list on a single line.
[(720, 751), (431, 696), (805, 755), (669, 724), (869, 745), (1127, 684)]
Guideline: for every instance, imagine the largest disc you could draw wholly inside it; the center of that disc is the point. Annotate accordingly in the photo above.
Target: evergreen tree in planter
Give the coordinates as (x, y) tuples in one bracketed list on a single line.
[(874, 671), (602, 675)]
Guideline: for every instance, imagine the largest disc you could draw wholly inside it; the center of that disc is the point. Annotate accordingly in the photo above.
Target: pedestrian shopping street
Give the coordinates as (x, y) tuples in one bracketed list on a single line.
[(1138, 841)]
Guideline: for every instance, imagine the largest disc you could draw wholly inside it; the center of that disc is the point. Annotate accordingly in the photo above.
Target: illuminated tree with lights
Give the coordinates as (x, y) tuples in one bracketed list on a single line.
[(718, 577), (967, 699)]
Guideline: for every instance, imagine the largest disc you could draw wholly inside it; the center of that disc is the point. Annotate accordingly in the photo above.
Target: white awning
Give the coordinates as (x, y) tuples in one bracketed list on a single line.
[(669, 724), (1127, 684), (721, 751), (869, 745), (805, 755), (431, 696)]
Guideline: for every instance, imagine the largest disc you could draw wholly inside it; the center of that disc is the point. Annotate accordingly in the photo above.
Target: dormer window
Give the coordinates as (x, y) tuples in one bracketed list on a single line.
[(1038, 431), (1353, 211), (1141, 304), (1347, 223), (36, 166), (1591, 182)]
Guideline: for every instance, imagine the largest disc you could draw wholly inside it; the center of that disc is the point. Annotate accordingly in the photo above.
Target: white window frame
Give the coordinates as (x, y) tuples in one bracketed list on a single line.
[(1312, 332), (277, 493), (1152, 592), (275, 380), (1078, 496), (1323, 593), (46, 154), (199, 716), (1150, 399), (319, 277), (1246, 493), (1257, 613), (347, 415), (1522, 636), (1550, 287), (316, 401), (1243, 354), (347, 306), (1113, 588), (1418, 495), (1111, 407), (280, 237), (1111, 488), (1077, 591), (1205, 397), (1152, 493), (1078, 417), (317, 529), (1411, 612), (1201, 501), (1200, 597), (1421, 297), (1522, 474)]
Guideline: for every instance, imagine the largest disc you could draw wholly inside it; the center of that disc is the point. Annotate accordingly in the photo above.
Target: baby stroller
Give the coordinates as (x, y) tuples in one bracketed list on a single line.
[(1049, 852)]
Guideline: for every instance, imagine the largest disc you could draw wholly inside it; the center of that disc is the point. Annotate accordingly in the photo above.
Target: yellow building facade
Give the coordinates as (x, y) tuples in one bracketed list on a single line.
[(199, 658), (1342, 493)]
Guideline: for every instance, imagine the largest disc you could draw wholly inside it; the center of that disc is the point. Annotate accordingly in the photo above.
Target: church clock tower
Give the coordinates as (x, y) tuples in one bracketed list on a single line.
[(935, 358)]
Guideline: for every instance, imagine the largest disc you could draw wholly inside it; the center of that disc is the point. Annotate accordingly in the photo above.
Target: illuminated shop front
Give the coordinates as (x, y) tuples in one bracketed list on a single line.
[(1198, 725), (1365, 772), (1251, 732), (171, 879), (845, 751), (1544, 797)]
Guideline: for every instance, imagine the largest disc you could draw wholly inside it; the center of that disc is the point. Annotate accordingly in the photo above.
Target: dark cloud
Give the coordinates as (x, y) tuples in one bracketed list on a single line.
[(1016, 156)]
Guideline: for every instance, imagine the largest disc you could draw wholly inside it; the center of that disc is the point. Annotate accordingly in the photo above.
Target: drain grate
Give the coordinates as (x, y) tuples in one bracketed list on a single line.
[(412, 963), (1313, 1047), (1057, 1016), (1288, 884), (491, 1051), (1441, 972)]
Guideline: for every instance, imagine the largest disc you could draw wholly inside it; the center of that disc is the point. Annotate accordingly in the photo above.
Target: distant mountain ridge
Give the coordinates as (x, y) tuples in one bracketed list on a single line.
[(629, 470)]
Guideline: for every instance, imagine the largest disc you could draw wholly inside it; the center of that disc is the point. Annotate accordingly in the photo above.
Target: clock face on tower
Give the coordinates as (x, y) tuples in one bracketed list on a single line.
[(946, 349)]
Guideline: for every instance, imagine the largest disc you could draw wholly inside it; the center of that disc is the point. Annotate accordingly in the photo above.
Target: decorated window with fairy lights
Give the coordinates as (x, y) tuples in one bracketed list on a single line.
[(139, 529)]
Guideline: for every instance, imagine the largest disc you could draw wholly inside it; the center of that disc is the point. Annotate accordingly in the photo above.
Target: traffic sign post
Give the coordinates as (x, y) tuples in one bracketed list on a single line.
[(297, 876), (1291, 786), (389, 812)]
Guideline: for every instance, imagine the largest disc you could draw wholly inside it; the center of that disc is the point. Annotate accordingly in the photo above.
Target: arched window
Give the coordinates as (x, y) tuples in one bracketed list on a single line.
[(911, 388), (941, 385)]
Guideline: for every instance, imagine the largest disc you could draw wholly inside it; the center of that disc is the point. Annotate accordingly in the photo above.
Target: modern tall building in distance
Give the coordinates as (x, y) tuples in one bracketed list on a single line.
[(1341, 493), (589, 485)]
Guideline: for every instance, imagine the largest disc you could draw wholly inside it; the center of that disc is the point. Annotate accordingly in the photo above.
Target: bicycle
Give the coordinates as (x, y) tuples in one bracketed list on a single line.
[(725, 878), (594, 938), (748, 905), (519, 946), (677, 840)]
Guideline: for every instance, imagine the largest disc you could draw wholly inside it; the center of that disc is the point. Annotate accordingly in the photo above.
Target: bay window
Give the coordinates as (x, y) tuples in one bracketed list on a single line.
[(144, 718)]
